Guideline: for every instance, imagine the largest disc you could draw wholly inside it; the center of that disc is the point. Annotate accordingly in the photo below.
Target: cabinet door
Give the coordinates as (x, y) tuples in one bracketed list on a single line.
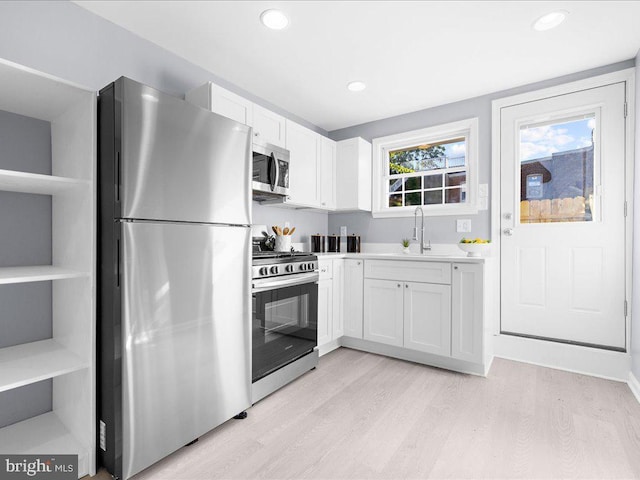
[(325, 311), (303, 144), (327, 173), (467, 312), (353, 302), (383, 311), (427, 317), (268, 127), (338, 299), (231, 105)]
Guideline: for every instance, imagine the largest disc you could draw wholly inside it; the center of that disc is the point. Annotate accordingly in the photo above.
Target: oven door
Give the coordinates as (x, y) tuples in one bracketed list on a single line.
[(285, 323)]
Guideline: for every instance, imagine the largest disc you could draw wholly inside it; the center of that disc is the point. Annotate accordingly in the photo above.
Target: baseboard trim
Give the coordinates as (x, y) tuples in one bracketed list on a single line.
[(329, 346), (414, 356), (561, 356), (634, 385)]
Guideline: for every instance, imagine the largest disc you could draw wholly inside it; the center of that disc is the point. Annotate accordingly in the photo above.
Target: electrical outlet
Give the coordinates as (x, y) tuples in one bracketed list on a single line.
[(483, 203), (483, 190), (463, 226), (286, 225), (343, 231)]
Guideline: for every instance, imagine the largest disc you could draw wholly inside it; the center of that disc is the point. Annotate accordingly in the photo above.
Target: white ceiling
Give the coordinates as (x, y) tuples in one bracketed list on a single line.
[(412, 55)]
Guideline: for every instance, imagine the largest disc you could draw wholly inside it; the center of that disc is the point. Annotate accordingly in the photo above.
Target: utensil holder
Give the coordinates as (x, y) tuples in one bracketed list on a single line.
[(283, 243)]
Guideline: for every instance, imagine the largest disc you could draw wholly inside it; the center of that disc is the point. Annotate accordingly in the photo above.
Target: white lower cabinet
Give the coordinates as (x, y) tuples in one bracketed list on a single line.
[(408, 314), (427, 317), (325, 311), (383, 311), (330, 297), (352, 301), (467, 312), (425, 311)]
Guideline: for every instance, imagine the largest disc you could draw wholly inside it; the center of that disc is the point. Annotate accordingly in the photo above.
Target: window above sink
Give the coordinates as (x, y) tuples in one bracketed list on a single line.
[(435, 168)]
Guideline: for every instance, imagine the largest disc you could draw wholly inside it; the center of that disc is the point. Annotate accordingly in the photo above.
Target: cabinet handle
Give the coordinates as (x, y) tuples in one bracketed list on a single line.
[(406, 285), (455, 268), (399, 285), (358, 263)]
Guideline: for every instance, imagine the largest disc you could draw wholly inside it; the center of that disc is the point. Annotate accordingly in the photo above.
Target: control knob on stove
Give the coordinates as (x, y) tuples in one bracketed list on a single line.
[(274, 270), (303, 267), (310, 266), (289, 268), (263, 271)]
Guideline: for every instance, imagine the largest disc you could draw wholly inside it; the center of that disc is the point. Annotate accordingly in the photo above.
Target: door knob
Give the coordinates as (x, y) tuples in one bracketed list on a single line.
[(508, 232)]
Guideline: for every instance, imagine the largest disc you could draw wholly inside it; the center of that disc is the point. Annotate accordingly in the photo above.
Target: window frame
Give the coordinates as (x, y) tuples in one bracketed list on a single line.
[(467, 128)]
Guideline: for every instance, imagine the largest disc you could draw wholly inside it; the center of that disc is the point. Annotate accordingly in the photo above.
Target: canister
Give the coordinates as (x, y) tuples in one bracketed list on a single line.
[(353, 243), (333, 243), (317, 243)]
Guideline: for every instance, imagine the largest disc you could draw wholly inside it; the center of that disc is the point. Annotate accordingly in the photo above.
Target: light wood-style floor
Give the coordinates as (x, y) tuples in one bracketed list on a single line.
[(363, 416)]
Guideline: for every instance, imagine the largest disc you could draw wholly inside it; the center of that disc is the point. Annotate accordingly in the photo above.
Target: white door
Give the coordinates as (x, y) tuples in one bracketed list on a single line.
[(562, 218), (427, 317), (383, 311)]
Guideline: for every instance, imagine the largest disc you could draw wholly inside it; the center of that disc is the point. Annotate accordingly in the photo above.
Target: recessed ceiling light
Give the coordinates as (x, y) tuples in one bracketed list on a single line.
[(274, 19), (550, 20), (356, 86)]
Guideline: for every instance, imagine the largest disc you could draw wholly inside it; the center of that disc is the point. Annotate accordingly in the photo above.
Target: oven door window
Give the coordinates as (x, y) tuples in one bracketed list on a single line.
[(284, 326)]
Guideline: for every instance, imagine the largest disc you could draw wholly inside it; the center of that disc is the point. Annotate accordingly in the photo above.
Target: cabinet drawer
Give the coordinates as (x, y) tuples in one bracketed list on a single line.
[(409, 271), (325, 268)]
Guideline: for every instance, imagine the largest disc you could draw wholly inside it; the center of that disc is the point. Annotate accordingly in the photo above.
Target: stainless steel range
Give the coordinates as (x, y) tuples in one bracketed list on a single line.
[(285, 318)]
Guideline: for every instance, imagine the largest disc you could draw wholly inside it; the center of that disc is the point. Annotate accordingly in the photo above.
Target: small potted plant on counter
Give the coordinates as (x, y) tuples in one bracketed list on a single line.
[(405, 245)]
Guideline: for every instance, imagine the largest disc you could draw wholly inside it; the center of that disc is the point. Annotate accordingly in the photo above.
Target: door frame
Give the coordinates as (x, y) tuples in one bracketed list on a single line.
[(601, 363)]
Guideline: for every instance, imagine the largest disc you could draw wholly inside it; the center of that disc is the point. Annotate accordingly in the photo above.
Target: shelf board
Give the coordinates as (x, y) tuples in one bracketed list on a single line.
[(32, 362), (41, 435), (23, 182), (39, 273)]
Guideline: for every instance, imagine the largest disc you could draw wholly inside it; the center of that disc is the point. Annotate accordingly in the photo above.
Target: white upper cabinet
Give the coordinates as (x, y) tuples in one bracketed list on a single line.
[(353, 175), (327, 173), (303, 145), (223, 102), (268, 127)]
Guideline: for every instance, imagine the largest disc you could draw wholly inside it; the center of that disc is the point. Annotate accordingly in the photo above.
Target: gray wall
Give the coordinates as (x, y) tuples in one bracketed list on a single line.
[(25, 238), (440, 229), (65, 40), (635, 305), (306, 222)]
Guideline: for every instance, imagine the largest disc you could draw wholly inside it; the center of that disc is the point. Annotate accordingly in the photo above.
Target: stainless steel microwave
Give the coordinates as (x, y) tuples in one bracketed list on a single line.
[(270, 169)]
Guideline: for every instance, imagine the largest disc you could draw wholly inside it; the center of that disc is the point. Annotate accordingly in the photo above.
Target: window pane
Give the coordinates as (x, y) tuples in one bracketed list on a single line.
[(456, 179), (453, 195), (556, 170), (433, 181), (422, 158), (413, 198), (395, 200), (433, 197), (413, 183), (395, 185)]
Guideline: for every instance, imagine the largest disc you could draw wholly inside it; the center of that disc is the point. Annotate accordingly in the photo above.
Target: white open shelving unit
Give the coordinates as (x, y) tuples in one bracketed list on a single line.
[(68, 358)]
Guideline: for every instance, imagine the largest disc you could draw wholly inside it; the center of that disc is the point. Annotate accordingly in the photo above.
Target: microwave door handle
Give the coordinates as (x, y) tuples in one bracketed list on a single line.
[(273, 172)]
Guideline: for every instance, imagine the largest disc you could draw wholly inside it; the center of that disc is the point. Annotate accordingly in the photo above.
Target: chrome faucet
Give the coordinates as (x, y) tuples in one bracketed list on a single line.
[(423, 247)]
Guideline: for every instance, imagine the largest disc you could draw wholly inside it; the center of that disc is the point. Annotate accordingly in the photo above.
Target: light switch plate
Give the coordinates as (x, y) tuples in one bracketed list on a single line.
[(483, 190), (343, 231), (463, 226), (483, 203)]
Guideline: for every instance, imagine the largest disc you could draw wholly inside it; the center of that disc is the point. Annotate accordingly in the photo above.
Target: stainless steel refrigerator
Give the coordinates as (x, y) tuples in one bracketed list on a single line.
[(174, 268)]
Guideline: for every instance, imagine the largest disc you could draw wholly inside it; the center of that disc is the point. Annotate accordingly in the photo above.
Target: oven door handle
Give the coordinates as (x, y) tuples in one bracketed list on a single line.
[(269, 284)]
